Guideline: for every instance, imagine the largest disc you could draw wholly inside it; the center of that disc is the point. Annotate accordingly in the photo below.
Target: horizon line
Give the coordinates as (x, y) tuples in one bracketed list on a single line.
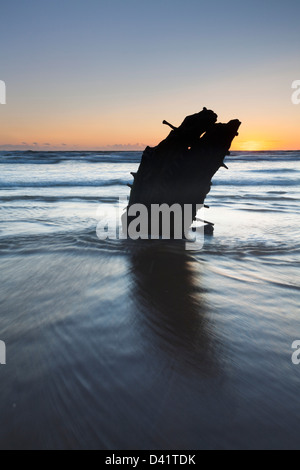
[(126, 150)]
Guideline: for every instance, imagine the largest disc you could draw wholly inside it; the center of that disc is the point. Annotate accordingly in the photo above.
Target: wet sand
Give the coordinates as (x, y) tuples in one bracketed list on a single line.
[(145, 349)]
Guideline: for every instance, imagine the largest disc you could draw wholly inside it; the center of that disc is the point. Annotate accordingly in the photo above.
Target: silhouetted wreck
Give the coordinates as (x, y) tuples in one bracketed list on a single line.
[(179, 170)]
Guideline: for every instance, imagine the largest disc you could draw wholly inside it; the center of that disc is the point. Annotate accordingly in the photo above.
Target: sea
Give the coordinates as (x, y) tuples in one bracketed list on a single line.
[(120, 344)]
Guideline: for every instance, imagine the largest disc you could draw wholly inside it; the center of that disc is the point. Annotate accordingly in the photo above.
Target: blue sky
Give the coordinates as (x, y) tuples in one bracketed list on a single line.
[(99, 73)]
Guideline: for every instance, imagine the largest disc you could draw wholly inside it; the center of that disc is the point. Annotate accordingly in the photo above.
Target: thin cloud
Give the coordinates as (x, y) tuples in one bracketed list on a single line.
[(136, 146), (115, 147)]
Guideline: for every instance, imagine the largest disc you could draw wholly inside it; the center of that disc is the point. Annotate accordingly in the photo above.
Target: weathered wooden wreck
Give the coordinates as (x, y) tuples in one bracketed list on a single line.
[(179, 170)]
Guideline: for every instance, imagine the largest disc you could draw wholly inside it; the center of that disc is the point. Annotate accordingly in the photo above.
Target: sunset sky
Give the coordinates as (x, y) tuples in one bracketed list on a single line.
[(101, 74)]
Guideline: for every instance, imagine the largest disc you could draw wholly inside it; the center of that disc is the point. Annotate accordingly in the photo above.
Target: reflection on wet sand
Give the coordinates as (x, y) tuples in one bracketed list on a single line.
[(173, 305)]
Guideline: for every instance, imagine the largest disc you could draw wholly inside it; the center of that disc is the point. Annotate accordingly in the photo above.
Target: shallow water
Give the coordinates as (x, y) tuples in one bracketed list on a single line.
[(131, 345)]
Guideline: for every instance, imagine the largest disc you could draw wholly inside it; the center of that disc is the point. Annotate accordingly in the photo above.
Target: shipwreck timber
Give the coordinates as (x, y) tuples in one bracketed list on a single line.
[(179, 170)]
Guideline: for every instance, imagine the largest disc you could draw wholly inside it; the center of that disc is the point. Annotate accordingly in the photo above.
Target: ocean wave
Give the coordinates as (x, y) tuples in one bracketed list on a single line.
[(62, 184), (253, 182), (217, 182), (53, 157), (276, 196), (41, 198), (50, 158), (87, 239), (276, 170), (62, 241)]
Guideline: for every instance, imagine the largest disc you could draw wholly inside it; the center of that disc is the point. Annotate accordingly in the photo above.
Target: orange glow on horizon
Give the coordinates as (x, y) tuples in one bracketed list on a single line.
[(254, 146), (115, 133), (82, 144)]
